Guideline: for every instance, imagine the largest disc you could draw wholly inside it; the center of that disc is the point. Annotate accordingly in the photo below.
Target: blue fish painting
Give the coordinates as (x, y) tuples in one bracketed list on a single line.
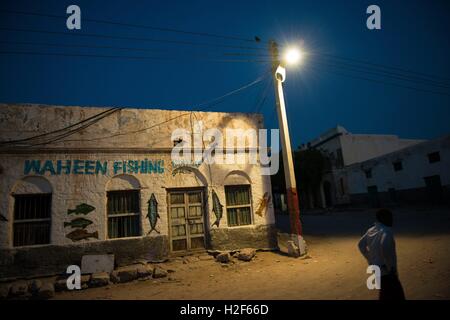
[(217, 208), (152, 213)]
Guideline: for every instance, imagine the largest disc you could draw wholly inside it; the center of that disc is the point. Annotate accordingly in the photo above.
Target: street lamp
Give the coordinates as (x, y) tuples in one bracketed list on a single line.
[(291, 57)]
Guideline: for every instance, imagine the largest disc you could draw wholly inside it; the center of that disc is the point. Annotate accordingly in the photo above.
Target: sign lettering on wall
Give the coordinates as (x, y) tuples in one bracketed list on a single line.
[(91, 167)]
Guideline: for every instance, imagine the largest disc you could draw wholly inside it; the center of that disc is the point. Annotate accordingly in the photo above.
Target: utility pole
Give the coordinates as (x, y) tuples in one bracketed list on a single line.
[(279, 75)]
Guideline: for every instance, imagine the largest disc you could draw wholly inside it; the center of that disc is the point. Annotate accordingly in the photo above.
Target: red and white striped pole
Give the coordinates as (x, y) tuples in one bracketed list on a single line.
[(279, 74)]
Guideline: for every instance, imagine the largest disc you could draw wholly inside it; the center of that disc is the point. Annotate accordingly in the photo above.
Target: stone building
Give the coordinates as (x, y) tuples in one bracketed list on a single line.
[(418, 174), (112, 187), (343, 149)]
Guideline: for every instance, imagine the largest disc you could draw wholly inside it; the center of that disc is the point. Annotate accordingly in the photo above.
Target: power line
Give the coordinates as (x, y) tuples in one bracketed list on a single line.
[(362, 69), (207, 105), (87, 122), (387, 67), (88, 46), (34, 53), (263, 97), (108, 36), (379, 81), (205, 34)]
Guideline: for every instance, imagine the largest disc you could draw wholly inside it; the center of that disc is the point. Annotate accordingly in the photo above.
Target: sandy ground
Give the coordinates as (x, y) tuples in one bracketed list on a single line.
[(335, 269)]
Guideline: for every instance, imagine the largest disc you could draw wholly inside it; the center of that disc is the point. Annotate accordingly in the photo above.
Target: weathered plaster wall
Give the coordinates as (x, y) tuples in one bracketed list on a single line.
[(415, 167), (120, 137)]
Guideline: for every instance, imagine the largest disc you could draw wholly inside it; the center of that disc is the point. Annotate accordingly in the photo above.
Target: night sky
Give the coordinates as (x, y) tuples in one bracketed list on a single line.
[(414, 36)]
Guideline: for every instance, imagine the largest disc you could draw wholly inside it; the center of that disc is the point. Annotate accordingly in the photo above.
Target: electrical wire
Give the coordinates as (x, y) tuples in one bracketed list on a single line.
[(386, 67), (393, 75), (82, 55), (107, 112), (63, 45), (115, 23), (109, 36), (377, 81), (207, 105)]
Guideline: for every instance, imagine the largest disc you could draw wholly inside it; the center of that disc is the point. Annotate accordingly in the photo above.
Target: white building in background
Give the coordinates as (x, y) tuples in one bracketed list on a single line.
[(344, 149), (416, 174)]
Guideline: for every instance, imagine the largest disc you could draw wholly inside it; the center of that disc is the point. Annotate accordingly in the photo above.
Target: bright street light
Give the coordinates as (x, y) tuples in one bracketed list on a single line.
[(293, 56)]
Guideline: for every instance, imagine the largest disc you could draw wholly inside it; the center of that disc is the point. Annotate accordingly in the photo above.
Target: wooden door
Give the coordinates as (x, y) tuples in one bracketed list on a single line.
[(186, 216)]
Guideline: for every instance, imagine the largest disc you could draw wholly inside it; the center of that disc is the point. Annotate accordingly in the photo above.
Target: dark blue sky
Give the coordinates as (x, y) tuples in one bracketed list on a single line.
[(414, 36)]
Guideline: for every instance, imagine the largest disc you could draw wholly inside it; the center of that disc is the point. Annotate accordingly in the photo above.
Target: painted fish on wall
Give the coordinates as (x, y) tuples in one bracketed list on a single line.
[(81, 234), (78, 223), (83, 208), (217, 208), (263, 204), (152, 213)]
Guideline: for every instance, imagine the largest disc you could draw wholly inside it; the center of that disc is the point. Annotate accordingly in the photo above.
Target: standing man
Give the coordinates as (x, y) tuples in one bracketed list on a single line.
[(378, 247)]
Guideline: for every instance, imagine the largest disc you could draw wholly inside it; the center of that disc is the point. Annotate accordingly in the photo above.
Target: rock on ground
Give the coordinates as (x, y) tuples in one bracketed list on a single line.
[(46, 291), (60, 285), (127, 274), (19, 289), (224, 257), (114, 276), (100, 279), (4, 291), (35, 286), (144, 271), (159, 273), (293, 250), (246, 254)]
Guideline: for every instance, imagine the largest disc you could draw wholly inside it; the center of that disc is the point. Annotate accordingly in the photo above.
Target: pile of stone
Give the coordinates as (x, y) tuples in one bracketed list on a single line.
[(45, 289), (119, 275), (21, 290), (225, 257)]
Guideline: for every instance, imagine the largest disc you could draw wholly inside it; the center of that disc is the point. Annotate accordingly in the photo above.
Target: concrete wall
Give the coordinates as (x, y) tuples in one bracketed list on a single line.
[(358, 148), (409, 183), (102, 143)]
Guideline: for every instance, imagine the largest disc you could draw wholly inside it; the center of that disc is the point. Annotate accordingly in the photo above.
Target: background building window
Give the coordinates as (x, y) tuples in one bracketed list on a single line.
[(32, 219), (434, 157), (341, 184), (398, 166), (123, 214), (238, 205), (339, 158), (368, 173)]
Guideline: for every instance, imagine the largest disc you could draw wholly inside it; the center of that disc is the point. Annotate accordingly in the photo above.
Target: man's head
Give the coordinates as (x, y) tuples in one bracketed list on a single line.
[(384, 216)]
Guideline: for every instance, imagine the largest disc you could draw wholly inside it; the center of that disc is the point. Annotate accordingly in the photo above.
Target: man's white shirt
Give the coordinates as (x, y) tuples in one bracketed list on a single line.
[(378, 247)]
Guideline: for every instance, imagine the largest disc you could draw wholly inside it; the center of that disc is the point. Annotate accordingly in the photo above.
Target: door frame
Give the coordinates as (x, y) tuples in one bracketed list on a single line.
[(205, 218)]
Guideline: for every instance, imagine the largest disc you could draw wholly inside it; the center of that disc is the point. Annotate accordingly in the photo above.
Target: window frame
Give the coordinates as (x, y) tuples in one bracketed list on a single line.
[(137, 214), (394, 163), (435, 160), (38, 220), (249, 205)]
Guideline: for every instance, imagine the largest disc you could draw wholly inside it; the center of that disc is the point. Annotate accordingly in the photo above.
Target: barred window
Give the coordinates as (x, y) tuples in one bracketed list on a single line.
[(123, 214), (238, 205), (32, 219), (434, 157), (398, 166)]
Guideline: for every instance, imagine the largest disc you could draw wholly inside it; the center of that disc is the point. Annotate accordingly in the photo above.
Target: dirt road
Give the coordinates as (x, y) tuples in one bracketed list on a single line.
[(335, 269)]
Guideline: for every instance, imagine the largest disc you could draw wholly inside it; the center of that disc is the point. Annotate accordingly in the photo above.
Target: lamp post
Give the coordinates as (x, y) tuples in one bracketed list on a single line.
[(279, 75)]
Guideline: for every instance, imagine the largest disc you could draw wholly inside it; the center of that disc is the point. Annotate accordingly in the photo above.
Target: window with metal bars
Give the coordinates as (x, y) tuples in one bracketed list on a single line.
[(239, 207), (123, 214), (32, 219)]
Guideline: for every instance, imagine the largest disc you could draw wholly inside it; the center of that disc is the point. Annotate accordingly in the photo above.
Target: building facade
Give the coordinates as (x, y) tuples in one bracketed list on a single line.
[(343, 149), (413, 175), (112, 187)]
